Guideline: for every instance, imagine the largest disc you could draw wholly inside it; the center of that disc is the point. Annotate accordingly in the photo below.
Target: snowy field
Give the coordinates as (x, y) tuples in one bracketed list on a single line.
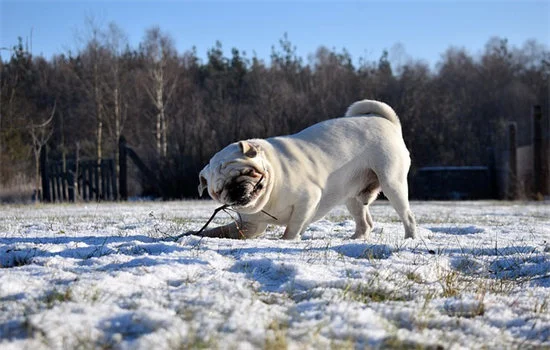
[(108, 276)]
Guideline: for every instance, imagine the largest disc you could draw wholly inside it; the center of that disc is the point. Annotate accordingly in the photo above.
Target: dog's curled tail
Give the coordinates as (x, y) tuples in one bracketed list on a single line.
[(373, 107)]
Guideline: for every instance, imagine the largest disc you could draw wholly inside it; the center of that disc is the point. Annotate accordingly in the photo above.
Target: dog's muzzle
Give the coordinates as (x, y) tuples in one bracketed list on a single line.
[(241, 193), (238, 190)]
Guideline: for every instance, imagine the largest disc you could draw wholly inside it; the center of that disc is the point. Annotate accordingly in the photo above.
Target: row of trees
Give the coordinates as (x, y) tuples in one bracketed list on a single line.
[(177, 110)]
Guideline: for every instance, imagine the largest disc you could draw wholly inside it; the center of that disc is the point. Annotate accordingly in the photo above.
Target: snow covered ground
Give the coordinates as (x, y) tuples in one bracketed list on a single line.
[(108, 276)]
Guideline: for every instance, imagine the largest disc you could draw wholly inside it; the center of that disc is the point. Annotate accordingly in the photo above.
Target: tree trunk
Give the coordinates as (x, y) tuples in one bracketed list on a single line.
[(77, 196), (164, 135), (161, 121), (38, 178), (99, 126), (118, 123)]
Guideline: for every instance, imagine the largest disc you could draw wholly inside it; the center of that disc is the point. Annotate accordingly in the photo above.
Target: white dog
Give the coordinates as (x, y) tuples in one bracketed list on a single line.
[(295, 180)]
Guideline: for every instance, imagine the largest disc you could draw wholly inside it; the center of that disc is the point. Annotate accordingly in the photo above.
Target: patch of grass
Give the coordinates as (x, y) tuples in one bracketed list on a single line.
[(56, 297), (181, 221), (276, 338), (479, 310), (395, 343), (192, 341), (185, 313), (367, 294), (501, 286), (541, 306), (414, 277), (342, 345), (428, 297), (92, 294), (450, 284)]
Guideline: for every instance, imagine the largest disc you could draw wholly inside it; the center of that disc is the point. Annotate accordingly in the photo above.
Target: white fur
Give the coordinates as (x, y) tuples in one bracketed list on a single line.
[(373, 107), (344, 160)]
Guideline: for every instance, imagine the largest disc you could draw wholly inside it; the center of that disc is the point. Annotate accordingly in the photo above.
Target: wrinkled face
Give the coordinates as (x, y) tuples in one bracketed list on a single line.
[(236, 176)]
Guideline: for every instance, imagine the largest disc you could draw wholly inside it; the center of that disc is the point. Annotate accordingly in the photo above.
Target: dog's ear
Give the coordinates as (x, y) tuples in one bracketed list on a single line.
[(203, 184), (248, 149)]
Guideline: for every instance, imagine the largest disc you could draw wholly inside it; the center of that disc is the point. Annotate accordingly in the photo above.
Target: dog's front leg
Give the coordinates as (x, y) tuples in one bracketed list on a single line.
[(302, 215), (234, 231)]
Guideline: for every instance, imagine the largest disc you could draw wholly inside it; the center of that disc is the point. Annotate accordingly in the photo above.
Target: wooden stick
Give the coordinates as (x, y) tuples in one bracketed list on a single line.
[(217, 210)]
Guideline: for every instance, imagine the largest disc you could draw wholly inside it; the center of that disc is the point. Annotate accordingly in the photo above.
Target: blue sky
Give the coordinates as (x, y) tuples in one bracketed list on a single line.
[(417, 29)]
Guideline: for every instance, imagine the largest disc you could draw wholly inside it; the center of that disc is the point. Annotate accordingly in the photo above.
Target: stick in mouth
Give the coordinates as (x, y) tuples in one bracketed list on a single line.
[(223, 208)]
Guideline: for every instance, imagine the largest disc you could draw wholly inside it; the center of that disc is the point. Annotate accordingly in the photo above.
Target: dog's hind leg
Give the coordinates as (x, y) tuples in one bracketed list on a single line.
[(361, 215), (359, 206), (359, 209), (397, 192)]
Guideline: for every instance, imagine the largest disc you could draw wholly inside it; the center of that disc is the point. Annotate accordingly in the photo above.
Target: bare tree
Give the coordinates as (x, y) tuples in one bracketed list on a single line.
[(161, 82), (95, 60), (116, 41), (96, 53), (40, 134)]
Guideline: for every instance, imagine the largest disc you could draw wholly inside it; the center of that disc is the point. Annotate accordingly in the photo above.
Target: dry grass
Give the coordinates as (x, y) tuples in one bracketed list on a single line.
[(17, 193)]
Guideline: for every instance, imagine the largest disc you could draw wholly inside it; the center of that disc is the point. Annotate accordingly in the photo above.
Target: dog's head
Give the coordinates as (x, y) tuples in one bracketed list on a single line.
[(238, 176)]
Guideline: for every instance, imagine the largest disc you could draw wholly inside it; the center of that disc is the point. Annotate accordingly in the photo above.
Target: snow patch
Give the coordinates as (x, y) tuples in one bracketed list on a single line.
[(103, 276)]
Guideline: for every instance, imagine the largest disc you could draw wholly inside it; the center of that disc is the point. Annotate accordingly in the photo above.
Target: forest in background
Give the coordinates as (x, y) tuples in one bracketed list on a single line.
[(176, 110)]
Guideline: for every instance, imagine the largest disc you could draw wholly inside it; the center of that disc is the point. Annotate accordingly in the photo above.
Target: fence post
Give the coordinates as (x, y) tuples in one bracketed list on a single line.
[(492, 166), (97, 184), (58, 183), (64, 182), (512, 162), (123, 172), (71, 189), (83, 178), (114, 188), (44, 174), (102, 183), (538, 156)]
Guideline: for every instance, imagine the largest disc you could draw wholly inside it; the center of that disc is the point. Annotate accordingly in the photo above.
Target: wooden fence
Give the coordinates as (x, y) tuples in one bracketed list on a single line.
[(86, 180), (524, 171), (512, 171), (89, 179)]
